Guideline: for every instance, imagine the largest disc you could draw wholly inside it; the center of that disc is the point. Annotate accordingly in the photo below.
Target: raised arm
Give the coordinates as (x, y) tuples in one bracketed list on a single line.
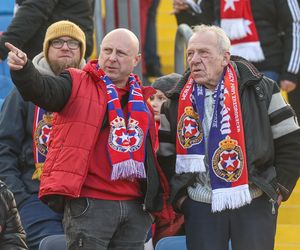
[(48, 92)]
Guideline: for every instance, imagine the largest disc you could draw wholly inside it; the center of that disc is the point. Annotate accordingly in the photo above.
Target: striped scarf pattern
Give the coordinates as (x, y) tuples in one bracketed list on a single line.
[(126, 142), (226, 143)]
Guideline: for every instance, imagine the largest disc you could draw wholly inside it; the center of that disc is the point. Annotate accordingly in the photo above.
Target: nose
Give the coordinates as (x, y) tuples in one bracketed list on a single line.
[(196, 58), (65, 46), (113, 56), (155, 103)]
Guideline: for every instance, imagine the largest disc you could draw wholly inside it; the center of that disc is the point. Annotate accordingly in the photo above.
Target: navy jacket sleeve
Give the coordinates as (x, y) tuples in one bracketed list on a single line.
[(12, 139)]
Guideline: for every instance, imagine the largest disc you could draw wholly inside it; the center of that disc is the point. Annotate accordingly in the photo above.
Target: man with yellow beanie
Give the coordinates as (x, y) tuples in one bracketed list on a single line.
[(25, 129)]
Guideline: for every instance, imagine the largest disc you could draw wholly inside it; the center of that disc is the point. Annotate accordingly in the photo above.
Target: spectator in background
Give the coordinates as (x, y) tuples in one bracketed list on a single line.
[(162, 85), (12, 234), (267, 34), (234, 146), (175, 224), (254, 28), (294, 99), (101, 167), (187, 11), (25, 129), (152, 60), (294, 96), (28, 27)]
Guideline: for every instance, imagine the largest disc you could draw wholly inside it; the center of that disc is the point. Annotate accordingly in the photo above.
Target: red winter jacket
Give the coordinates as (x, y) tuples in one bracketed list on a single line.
[(75, 131)]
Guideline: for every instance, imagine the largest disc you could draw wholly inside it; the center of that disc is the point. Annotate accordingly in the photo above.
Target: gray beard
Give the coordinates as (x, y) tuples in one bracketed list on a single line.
[(57, 68)]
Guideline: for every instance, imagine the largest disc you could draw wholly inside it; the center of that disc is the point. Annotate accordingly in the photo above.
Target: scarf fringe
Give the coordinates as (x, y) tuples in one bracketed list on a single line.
[(230, 198), (190, 164), (129, 169), (235, 28), (251, 51)]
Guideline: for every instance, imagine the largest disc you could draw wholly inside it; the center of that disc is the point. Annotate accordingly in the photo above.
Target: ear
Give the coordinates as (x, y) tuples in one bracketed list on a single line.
[(137, 59), (226, 59)]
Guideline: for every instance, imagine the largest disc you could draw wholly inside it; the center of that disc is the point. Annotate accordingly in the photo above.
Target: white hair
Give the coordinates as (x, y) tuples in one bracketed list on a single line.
[(222, 39)]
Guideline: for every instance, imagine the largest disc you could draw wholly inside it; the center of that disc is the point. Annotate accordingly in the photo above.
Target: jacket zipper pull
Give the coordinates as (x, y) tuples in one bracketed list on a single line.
[(273, 206)]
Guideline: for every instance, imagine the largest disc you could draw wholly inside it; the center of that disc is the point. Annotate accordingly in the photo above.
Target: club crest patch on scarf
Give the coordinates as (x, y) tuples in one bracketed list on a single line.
[(42, 133), (227, 161), (135, 134), (126, 141), (42, 126), (123, 140), (189, 139), (189, 129)]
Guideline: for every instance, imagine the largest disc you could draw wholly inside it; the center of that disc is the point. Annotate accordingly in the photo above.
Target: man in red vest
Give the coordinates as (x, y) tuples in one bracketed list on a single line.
[(101, 169)]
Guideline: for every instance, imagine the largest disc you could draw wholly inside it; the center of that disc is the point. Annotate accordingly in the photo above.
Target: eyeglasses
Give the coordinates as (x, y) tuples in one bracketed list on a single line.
[(59, 43)]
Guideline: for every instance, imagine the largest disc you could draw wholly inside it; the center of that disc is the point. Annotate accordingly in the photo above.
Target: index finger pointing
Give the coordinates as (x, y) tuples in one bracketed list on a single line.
[(11, 47)]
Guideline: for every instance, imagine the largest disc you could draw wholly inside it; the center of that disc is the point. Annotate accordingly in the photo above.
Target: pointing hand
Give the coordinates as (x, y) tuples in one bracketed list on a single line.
[(16, 58)]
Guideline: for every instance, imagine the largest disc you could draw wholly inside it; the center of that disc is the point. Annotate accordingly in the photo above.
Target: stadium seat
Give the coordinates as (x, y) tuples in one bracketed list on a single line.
[(171, 243), (53, 242), (175, 243), (5, 20), (7, 6), (6, 15), (6, 85)]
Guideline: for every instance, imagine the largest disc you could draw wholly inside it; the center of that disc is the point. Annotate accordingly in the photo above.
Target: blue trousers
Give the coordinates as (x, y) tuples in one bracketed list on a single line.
[(251, 227), (39, 221)]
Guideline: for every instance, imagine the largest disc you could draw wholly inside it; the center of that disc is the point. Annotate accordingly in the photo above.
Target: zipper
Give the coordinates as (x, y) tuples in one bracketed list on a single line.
[(273, 202)]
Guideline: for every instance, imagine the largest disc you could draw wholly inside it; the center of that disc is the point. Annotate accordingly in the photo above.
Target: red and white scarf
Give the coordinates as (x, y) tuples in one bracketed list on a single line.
[(238, 23), (226, 145), (126, 142)]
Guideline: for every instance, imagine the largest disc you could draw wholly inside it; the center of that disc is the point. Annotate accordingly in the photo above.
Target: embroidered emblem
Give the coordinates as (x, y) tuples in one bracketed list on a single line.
[(135, 134), (227, 162), (120, 139), (189, 128), (42, 133)]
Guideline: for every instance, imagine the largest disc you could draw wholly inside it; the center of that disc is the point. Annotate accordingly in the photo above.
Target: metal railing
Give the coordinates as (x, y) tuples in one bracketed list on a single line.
[(183, 34), (128, 16)]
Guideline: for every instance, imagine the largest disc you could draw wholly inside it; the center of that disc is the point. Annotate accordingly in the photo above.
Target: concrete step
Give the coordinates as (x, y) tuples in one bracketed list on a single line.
[(166, 31), (294, 198), (289, 214), (166, 6), (284, 246), (288, 234)]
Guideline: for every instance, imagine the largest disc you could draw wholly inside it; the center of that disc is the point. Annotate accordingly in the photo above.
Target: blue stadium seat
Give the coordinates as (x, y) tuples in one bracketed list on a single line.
[(6, 15), (53, 242), (6, 85), (5, 20), (175, 243), (4, 69), (7, 6), (171, 243)]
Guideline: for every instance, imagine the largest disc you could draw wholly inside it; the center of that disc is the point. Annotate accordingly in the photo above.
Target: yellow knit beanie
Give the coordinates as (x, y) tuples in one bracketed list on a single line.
[(64, 28)]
